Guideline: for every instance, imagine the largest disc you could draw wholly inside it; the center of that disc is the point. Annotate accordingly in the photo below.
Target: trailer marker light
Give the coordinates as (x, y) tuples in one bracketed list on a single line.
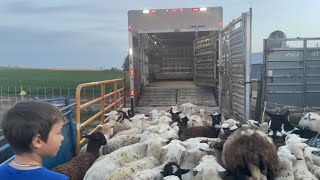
[(131, 72), (173, 10), (167, 10), (130, 51), (195, 9), (181, 9), (131, 93), (203, 9), (153, 11), (146, 11)]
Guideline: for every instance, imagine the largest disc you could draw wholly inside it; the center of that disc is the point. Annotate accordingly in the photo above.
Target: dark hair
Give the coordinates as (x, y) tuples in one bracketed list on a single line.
[(26, 119)]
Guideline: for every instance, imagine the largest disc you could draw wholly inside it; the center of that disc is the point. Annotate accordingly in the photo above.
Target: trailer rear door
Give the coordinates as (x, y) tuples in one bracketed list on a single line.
[(234, 68)]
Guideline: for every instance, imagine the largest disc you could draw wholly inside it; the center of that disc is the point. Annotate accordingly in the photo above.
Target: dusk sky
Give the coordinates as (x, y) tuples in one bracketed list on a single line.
[(93, 33)]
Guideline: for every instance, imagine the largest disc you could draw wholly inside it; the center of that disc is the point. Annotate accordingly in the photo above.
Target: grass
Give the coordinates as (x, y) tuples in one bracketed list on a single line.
[(44, 79), (53, 78)]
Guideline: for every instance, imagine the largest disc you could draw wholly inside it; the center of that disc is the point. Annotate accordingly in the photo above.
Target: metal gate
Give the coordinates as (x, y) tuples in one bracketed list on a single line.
[(234, 68), (205, 61), (292, 72)]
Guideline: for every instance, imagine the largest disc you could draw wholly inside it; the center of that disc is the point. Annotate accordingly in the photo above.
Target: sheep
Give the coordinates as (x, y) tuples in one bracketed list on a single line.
[(149, 174), (215, 119), (172, 168), (154, 114), (210, 168), (77, 167), (107, 131), (171, 177), (128, 111), (195, 120), (174, 151), (136, 128), (120, 141), (200, 131), (248, 149), (307, 153), (163, 130), (227, 128), (115, 160), (150, 161), (300, 169), (188, 108), (279, 124), (311, 120), (285, 170)]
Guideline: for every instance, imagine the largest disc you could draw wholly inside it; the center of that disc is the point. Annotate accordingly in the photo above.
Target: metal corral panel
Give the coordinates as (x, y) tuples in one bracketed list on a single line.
[(292, 74), (205, 61), (235, 48)]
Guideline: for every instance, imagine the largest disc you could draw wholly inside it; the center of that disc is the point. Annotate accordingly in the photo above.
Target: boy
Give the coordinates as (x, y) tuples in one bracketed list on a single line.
[(33, 130)]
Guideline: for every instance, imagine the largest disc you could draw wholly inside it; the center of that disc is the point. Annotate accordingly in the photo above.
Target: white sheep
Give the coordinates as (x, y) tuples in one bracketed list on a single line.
[(119, 142), (149, 174), (311, 120), (307, 153), (210, 168), (136, 126), (164, 131), (300, 169), (174, 151), (116, 159), (188, 108), (285, 170), (195, 120)]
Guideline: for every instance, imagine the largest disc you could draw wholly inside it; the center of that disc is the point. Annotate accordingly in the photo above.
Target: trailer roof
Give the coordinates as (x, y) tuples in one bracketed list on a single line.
[(175, 20)]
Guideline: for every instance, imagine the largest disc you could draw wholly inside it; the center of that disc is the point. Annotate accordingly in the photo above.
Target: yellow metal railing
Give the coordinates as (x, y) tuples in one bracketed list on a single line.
[(103, 96)]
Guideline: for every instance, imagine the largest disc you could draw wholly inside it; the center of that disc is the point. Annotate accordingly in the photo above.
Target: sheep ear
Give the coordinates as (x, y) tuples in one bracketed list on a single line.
[(287, 112), (234, 127), (220, 168), (184, 171), (100, 125)]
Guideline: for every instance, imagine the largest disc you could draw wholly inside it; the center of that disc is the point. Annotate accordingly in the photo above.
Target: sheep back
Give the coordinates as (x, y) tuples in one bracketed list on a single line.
[(247, 145), (77, 167)]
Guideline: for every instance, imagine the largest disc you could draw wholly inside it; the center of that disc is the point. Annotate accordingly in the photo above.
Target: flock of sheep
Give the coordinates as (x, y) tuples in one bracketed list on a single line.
[(188, 143)]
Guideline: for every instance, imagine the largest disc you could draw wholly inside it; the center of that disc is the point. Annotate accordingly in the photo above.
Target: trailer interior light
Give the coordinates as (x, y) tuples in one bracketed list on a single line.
[(146, 11), (203, 9), (130, 51)]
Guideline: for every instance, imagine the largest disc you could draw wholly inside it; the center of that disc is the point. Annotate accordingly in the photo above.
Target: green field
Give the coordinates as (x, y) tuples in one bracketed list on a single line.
[(53, 78), (41, 80)]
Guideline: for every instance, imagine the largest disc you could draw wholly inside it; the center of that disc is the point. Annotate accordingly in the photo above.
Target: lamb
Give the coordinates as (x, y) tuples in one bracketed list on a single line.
[(279, 124), (285, 171), (210, 168), (149, 174), (171, 177), (195, 120), (77, 167), (311, 120), (253, 149)]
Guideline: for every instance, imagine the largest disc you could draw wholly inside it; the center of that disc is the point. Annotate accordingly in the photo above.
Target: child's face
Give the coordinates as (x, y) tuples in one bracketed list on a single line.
[(54, 140)]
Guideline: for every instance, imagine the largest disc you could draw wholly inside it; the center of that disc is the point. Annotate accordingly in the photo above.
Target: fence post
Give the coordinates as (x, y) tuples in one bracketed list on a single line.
[(45, 93), (1, 97), (52, 92), (103, 92), (9, 100), (60, 92), (115, 96), (15, 93)]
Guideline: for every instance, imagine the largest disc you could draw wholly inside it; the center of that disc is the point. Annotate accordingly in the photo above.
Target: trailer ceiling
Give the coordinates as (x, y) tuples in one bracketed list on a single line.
[(176, 38)]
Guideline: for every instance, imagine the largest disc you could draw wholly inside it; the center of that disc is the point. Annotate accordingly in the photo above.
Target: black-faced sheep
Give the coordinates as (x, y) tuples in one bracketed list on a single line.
[(76, 168), (248, 151), (172, 168)]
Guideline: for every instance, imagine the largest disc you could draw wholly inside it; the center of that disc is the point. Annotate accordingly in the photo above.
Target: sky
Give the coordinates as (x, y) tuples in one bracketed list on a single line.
[(93, 33)]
